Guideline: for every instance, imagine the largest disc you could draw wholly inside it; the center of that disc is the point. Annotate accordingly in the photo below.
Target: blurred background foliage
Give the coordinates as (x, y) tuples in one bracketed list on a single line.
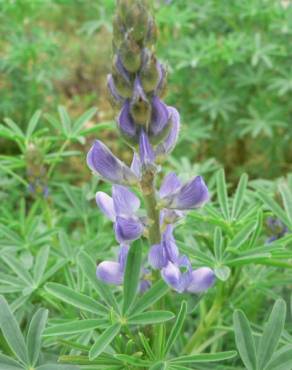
[(229, 66)]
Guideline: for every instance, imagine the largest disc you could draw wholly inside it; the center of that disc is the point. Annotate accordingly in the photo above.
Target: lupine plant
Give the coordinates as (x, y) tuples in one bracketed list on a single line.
[(139, 257)]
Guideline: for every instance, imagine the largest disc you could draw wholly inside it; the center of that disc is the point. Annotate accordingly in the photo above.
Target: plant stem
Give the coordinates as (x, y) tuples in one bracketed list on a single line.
[(148, 190), (206, 323), (147, 185)]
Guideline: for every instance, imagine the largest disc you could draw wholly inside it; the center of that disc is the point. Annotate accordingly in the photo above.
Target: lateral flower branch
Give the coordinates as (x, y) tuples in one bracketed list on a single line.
[(150, 128)]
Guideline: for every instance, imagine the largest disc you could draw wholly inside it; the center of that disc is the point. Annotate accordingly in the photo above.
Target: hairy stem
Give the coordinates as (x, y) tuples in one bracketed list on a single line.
[(148, 190), (147, 185)]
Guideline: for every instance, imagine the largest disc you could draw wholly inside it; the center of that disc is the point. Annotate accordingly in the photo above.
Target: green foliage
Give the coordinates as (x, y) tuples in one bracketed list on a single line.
[(265, 355), (230, 76)]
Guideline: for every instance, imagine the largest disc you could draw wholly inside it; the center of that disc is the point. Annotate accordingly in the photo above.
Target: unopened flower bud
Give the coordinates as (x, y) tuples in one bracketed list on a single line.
[(115, 98), (122, 87), (150, 75), (140, 106), (136, 21), (118, 31), (131, 54)]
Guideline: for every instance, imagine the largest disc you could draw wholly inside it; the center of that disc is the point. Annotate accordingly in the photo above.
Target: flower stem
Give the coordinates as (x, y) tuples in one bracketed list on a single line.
[(147, 185), (148, 190)]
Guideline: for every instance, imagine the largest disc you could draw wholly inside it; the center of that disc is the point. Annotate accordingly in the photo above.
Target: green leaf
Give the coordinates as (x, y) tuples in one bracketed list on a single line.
[(132, 274), (222, 194), (257, 231), (104, 340), (56, 367), (33, 340), (84, 118), (152, 295), (73, 327), (7, 363), (244, 340), (18, 268), (104, 359), (11, 332), (159, 366), (75, 299), (14, 127), (281, 360), (272, 333), (88, 267), (273, 206), (99, 127), (287, 201), (32, 124), (9, 367), (204, 357), (242, 235), (176, 329), (239, 196), (150, 317), (133, 360), (218, 244), (40, 264), (65, 120)]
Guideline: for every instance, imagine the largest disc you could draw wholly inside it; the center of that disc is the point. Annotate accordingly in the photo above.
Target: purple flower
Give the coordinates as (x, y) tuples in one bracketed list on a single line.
[(121, 208), (113, 91), (136, 166), (176, 270), (138, 92), (178, 275), (147, 156), (193, 194), (113, 272), (167, 251), (102, 161), (159, 117), (202, 279), (169, 142), (125, 121)]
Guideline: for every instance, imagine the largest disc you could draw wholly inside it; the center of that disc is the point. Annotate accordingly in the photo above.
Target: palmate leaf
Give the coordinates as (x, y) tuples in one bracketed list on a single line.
[(80, 122), (242, 235), (244, 340)]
